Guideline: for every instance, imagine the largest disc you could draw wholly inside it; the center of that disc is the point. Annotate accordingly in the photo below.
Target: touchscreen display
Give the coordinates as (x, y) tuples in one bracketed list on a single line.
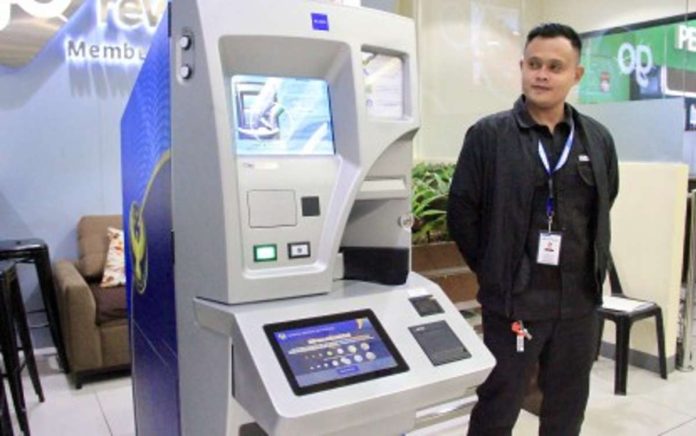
[(281, 116), (336, 350)]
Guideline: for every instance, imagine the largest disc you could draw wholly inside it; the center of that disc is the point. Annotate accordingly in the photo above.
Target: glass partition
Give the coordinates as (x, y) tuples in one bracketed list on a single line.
[(469, 54)]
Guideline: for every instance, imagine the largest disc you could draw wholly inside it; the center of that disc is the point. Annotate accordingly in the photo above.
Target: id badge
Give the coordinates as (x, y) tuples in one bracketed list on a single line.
[(549, 252)]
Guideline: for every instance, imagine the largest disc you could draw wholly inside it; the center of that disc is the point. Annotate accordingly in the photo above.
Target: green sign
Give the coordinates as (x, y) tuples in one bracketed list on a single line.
[(649, 62)]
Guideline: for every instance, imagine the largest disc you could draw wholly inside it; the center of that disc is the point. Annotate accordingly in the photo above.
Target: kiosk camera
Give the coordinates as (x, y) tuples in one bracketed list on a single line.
[(267, 152)]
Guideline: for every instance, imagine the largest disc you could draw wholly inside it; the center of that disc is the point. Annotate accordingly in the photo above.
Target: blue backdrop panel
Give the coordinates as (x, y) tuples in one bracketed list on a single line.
[(146, 168)]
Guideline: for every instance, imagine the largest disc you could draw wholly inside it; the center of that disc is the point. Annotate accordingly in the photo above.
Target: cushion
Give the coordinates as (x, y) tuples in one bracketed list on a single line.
[(111, 303), (93, 243), (115, 265)]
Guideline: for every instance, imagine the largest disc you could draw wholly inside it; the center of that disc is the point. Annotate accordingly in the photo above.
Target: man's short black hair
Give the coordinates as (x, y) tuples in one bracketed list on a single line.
[(552, 30)]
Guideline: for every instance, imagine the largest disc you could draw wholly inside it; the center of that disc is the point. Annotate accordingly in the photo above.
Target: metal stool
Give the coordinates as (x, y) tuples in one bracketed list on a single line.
[(5, 421), (35, 251), (12, 314)]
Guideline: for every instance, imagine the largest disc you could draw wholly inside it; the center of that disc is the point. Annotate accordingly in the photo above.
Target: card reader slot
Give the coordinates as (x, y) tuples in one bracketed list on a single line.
[(426, 305), (382, 189)]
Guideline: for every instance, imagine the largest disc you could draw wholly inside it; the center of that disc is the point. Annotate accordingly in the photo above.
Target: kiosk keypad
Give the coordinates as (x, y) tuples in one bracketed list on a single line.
[(439, 343)]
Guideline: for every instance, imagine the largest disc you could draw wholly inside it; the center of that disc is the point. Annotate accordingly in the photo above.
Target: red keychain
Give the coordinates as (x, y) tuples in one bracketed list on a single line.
[(522, 334)]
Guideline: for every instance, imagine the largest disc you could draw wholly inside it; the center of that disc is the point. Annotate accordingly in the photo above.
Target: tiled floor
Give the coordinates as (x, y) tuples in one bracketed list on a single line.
[(102, 408), (652, 407)]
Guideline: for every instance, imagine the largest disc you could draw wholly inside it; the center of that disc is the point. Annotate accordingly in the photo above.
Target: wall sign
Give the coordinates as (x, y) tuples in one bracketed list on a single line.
[(120, 30), (656, 59), (686, 38), (131, 14), (124, 31), (81, 51), (27, 25), (635, 59)]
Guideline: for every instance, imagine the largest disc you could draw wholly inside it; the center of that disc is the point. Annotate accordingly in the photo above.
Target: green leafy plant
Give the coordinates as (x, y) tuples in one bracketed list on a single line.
[(431, 182)]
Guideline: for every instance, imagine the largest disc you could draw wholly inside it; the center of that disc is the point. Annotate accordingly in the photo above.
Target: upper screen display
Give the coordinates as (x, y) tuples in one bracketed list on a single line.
[(281, 116), (327, 352), (384, 85)]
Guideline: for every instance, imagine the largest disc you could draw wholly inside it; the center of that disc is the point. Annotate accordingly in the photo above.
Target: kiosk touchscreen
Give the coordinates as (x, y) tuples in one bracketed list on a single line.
[(281, 116), (326, 352), (267, 156)]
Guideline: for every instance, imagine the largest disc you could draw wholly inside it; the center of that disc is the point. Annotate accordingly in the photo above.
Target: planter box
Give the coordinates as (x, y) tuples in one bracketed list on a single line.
[(442, 263)]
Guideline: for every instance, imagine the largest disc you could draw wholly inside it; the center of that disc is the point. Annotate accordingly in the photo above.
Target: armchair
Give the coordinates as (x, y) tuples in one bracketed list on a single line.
[(94, 319)]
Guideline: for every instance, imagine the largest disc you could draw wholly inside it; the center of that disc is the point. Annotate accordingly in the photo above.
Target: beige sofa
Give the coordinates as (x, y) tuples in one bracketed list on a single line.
[(94, 319)]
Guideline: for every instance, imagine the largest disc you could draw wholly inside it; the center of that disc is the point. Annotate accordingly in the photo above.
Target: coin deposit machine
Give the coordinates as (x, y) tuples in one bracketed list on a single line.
[(267, 152)]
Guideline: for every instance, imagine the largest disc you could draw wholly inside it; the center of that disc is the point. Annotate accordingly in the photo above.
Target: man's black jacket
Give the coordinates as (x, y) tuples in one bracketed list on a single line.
[(490, 203)]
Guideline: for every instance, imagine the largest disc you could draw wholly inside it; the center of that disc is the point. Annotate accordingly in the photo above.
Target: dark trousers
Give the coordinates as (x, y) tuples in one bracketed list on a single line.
[(565, 351)]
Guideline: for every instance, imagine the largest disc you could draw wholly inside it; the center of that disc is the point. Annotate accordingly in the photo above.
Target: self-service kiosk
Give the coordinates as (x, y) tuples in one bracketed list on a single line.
[(267, 152)]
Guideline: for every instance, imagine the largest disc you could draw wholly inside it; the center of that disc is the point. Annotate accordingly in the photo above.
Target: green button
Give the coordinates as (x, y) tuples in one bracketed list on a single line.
[(265, 253)]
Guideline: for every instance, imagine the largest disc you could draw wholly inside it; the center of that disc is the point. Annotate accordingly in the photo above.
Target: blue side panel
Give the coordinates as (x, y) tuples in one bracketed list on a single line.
[(147, 213)]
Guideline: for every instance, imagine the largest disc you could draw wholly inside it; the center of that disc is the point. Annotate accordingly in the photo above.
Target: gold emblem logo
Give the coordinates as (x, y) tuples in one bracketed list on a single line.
[(138, 248)]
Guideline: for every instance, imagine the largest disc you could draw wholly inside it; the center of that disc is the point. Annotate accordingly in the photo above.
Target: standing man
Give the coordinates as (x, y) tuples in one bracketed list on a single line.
[(529, 210)]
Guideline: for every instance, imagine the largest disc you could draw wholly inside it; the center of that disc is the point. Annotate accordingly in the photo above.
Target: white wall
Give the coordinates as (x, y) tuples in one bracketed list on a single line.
[(689, 155), (469, 56), (644, 130), (647, 244), (591, 15), (385, 5), (60, 145)]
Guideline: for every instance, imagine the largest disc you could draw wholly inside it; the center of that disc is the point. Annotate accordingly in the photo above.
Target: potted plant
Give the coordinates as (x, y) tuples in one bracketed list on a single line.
[(434, 254), (431, 184)]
